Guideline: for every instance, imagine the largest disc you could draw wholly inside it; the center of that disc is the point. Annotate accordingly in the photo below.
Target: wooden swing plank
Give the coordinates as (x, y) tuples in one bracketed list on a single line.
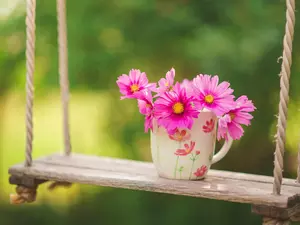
[(136, 175)]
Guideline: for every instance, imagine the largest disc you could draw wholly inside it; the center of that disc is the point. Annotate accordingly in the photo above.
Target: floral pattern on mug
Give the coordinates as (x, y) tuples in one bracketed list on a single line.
[(181, 168), (187, 149), (209, 127), (201, 171), (194, 158), (180, 136)]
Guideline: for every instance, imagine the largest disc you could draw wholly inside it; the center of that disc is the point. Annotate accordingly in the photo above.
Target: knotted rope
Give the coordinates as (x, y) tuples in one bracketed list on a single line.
[(24, 194), (284, 95), (30, 51), (63, 70), (271, 221)]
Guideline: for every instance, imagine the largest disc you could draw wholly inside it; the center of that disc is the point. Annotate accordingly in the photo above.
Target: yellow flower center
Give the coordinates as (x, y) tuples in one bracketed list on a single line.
[(232, 116), (167, 84), (134, 88), (178, 108), (209, 99)]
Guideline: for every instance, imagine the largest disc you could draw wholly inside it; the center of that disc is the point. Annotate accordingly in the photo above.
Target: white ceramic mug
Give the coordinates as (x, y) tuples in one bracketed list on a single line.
[(188, 154)]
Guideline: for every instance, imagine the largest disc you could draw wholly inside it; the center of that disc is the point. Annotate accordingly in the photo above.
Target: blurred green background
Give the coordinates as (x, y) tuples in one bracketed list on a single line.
[(240, 40)]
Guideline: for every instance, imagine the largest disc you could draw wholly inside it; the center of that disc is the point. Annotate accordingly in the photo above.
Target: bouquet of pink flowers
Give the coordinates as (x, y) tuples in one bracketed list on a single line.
[(176, 105)]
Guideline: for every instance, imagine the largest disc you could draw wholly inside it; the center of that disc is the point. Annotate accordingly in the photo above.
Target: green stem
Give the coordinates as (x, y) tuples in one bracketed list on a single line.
[(192, 169), (175, 170), (176, 165)]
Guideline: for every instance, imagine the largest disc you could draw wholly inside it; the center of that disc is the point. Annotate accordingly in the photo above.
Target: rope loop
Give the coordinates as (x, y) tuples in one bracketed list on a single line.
[(23, 195), (272, 221)]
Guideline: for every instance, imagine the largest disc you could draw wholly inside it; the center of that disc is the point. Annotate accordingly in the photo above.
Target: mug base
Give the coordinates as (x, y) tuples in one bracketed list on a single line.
[(162, 175)]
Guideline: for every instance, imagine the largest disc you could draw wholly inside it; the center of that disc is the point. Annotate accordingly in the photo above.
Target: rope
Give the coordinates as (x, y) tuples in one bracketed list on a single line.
[(24, 194), (63, 71), (271, 221), (30, 50), (284, 95)]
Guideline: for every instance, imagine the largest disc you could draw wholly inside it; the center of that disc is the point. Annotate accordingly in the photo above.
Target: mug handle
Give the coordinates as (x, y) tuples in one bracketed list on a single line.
[(223, 151)]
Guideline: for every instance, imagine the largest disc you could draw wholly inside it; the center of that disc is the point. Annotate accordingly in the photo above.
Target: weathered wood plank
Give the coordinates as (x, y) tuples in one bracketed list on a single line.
[(90, 161), (136, 175)]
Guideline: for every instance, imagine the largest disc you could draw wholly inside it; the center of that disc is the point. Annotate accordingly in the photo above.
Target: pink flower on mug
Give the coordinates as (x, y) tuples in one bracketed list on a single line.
[(213, 96), (231, 122), (176, 105), (145, 101), (187, 149), (166, 84), (188, 85), (174, 110), (133, 83), (180, 136), (145, 104), (209, 127), (201, 171)]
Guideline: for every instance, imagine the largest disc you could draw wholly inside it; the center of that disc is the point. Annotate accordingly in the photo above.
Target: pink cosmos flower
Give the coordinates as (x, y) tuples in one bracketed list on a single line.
[(180, 136), (145, 104), (175, 110), (166, 84), (145, 101), (188, 85), (133, 83), (201, 171), (213, 96), (231, 121), (187, 149), (209, 126)]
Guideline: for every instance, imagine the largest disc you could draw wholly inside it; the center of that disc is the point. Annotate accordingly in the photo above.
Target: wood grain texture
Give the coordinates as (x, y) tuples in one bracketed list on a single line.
[(121, 173)]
